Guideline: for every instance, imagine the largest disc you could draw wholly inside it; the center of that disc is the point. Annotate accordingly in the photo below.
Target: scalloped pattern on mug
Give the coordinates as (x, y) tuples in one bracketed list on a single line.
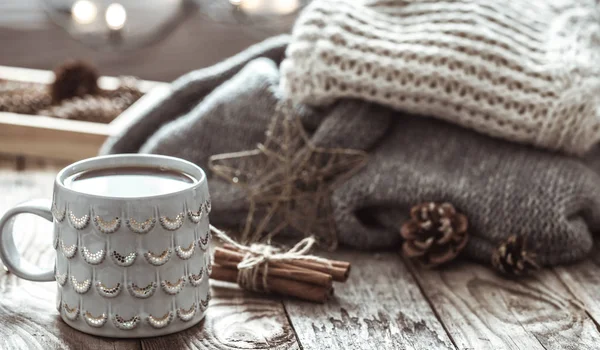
[(71, 313), (68, 251), (160, 322), (208, 206), (173, 288), (172, 224), (108, 292), (196, 280), (124, 324), (59, 215), (195, 216), (142, 292), (110, 226), (56, 240), (81, 287), (204, 303), (158, 259), (208, 264), (185, 253), (204, 208), (79, 223), (61, 278), (203, 242), (141, 227), (95, 321), (93, 258), (123, 260), (187, 315)]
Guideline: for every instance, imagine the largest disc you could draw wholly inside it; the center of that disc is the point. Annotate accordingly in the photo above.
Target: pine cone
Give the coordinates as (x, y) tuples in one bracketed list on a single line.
[(435, 234), (96, 109), (126, 93), (12, 85), (24, 100), (511, 258), (74, 79)]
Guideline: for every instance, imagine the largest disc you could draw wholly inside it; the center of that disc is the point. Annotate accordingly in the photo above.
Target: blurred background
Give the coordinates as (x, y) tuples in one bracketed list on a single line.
[(151, 39)]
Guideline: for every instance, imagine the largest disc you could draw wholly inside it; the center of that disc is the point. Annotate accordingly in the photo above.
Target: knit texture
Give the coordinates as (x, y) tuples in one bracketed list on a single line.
[(521, 70), (185, 93), (502, 187)]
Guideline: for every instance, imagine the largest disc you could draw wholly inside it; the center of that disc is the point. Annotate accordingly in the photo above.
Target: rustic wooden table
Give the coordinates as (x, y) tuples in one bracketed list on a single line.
[(388, 303)]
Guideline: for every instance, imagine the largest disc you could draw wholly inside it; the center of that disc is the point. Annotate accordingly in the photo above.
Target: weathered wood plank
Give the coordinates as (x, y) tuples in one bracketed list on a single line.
[(46, 168), (41, 136), (482, 310), (49, 167), (8, 163), (28, 316), (379, 307), (583, 280), (235, 320)]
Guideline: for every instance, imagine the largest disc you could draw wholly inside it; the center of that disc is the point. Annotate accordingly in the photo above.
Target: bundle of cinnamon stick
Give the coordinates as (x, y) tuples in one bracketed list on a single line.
[(303, 279)]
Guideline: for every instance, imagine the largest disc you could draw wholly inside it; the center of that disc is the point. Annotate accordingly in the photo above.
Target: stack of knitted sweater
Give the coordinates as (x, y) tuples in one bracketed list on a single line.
[(492, 106)]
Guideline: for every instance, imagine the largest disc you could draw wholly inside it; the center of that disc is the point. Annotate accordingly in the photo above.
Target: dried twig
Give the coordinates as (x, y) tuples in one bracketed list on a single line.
[(288, 180)]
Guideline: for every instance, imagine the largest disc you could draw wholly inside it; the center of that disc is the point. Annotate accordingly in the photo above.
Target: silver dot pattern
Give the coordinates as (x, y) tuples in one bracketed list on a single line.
[(123, 259)]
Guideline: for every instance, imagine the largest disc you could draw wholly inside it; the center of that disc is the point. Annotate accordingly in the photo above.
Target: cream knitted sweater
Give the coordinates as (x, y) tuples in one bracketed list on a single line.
[(523, 70)]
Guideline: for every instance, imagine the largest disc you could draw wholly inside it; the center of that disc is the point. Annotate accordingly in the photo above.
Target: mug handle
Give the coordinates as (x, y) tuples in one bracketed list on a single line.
[(8, 251)]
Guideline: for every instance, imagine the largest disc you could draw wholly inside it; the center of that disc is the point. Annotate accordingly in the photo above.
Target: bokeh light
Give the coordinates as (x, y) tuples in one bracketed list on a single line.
[(280, 7), (283, 7), (84, 11), (115, 16)]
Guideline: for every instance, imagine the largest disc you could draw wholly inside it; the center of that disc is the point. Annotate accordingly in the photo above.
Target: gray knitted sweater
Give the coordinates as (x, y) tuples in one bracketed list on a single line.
[(503, 188)]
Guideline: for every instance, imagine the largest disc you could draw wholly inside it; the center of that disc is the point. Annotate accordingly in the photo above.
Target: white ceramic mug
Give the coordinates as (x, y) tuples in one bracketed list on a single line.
[(125, 267)]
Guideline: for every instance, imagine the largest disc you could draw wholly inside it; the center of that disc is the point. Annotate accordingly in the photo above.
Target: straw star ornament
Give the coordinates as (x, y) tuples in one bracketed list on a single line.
[(288, 180)]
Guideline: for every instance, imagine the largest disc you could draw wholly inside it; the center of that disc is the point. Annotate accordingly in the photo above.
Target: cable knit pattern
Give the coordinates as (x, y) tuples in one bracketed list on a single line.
[(521, 70)]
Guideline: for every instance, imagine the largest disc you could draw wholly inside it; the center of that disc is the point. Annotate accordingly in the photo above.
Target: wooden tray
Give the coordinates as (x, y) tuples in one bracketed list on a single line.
[(69, 140)]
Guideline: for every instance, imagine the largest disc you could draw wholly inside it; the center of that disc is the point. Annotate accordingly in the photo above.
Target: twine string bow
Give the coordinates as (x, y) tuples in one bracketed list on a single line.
[(253, 270)]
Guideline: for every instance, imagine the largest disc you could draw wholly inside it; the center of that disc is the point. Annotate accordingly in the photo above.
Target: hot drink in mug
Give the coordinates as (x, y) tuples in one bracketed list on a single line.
[(131, 235)]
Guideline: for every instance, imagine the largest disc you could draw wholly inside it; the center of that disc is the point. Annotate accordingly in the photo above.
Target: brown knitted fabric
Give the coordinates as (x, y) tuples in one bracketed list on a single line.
[(101, 107), (90, 108), (25, 99)]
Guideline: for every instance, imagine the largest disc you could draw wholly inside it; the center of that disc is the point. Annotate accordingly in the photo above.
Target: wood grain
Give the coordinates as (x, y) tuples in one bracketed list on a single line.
[(583, 280), (482, 310), (28, 315), (235, 320), (50, 137), (379, 307), (386, 304)]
